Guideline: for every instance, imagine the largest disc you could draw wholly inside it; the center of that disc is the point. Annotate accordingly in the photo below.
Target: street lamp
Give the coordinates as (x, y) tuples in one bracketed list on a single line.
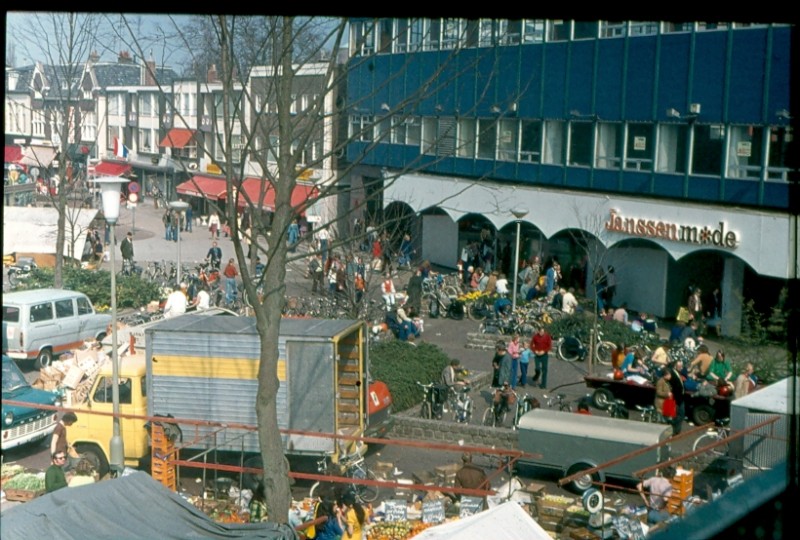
[(110, 187), (519, 213), (180, 207)]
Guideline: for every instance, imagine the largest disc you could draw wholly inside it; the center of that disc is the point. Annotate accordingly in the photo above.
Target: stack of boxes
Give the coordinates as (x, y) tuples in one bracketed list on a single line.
[(682, 487)]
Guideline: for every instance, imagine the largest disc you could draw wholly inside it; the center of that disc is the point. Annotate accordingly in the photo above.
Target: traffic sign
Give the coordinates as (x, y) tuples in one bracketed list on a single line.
[(133, 197), (133, 187)]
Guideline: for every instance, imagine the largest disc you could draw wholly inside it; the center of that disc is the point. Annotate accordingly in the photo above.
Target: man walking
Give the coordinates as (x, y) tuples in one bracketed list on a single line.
[(541, 344), (214, 255), (230, 274), (126, 248)]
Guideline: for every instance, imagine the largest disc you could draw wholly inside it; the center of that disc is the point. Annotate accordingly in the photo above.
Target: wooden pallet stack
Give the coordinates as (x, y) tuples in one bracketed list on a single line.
[(163, 450), (682, 487)]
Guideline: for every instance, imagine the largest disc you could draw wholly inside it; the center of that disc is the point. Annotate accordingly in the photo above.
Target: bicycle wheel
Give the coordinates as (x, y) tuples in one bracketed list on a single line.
[(313, 489), (425, 410), (569, 349), (604, 353), (478, 310), (366, 493), (565, 407), (710, 437), (488, 417)]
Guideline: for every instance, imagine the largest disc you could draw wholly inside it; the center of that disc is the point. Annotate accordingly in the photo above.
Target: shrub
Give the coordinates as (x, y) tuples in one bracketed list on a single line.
[(400, 365), (132, 291)]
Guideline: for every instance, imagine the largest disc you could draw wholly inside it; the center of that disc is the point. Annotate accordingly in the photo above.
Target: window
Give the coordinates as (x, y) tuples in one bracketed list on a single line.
[(361, 127), (428, 135), (471, 33), (533, 31), (672, 148), (116, 104), (702, 26), (84, 307), (509, 32), (432, 34), (639, 147), (530, 145), (363, 33), (707, 149), (386, 35), (10, 314), (672, 27), (584, 29), (145, 105), (147, 137), (415, 35), (450, 31), (237, 148), (486, 38), (105, 387), (383, 129), (609, 146), (42, 312), (609, 29), (507, 145), (114, 132), (466, 137), (558, 30), (487, 138), (553, 142), (406, 130), (439, 136), (745, 151), (580, 143), (64, 308), (779, 139), (643, 28), (402, 35)]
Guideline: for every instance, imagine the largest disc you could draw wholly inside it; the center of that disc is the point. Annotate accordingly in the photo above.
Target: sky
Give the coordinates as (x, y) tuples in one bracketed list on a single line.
[(150, 29)]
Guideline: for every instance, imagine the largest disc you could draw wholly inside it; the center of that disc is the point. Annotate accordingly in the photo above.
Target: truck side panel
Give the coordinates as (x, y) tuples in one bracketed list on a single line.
[(311, 403)]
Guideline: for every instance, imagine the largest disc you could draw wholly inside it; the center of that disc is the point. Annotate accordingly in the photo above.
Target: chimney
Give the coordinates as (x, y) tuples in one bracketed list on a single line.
[(150, 73), (94, 57), (124, 57), (212, 74)]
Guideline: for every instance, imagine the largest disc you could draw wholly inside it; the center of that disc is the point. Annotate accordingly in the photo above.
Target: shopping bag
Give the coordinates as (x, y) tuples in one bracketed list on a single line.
[(670, 408), (683, 315)]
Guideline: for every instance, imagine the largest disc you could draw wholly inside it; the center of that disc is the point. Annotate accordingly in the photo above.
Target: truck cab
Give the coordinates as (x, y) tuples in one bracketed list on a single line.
[(23, 425), (91, 434)]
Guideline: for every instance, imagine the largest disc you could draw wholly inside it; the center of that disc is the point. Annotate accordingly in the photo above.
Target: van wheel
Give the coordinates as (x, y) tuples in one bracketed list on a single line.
[(583, 483), (702, 414), (44, 359), (602, 398), (95, 456)]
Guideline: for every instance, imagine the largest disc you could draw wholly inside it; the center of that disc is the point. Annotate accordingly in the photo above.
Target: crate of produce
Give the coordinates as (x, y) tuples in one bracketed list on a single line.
[(22, 495), (553, 507)]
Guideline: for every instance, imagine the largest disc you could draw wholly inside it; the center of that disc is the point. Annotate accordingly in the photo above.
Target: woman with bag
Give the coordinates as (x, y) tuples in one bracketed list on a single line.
[(664, 402)]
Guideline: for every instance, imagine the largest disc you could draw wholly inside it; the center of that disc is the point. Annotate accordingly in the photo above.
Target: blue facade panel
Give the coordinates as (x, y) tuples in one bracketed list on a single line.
[(508, 83), (552, 175), (668, 185), (704, 188), (780, 72), (636, 182), (608, 87), (531, 80), (605, 180), (673, 79), (741, 191), (581, 76), (465, 83), (555, 77), (640, 79), (487, 77), (776, 195), (748, 57), (708, 84), (578, 177)]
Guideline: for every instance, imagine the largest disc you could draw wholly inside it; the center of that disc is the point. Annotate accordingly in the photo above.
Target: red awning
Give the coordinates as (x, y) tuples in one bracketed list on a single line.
[(302, 195), (203, 186), (112, 168), (13, 153), (178, 138)]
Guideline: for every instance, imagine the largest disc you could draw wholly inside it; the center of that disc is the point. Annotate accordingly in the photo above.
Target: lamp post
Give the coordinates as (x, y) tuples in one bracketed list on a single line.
[(180, 207), (110, 187), (519, 213)]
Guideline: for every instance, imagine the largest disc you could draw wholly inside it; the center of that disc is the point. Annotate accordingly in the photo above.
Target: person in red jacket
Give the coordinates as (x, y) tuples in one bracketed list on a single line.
[(541, 344)]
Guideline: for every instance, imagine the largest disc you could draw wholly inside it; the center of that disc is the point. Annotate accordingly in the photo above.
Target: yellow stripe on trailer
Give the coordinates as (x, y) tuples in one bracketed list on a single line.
[(218, 368)]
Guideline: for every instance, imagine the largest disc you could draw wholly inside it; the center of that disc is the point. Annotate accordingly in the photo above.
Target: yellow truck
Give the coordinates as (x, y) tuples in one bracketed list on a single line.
[(204, 369)]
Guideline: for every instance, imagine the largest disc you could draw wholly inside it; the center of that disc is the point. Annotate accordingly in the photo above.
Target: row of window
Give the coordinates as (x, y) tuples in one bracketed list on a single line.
[(751, 152), (411, 35)]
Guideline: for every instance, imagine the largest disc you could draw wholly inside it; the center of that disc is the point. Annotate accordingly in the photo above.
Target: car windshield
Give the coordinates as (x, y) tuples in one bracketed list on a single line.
[(12, 376)]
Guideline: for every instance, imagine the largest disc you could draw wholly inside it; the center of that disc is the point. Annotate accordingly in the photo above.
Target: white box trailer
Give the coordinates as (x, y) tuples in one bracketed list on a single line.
[(766, 447)]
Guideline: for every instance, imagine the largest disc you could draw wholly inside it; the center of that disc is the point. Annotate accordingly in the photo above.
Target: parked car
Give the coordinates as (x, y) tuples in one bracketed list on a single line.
[(41, 324), (23, 425), (700, 409)]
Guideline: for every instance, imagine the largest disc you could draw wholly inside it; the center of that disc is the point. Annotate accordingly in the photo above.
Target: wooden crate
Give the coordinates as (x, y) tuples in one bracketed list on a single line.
[(22, 495)]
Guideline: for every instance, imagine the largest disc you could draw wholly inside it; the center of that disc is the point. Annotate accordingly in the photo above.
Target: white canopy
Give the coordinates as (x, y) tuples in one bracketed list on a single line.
[(507, 521), (27, 229)]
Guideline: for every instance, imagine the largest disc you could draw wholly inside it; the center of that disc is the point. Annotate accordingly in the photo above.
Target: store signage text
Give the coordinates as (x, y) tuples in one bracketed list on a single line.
[(673, 232)]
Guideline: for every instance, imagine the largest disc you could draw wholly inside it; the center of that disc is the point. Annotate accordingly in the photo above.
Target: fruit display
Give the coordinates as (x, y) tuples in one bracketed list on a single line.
[(396, 530)]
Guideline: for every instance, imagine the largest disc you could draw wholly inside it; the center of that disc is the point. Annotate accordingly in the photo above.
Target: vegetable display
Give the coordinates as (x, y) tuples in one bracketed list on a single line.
[(396, 530), (26, 482)]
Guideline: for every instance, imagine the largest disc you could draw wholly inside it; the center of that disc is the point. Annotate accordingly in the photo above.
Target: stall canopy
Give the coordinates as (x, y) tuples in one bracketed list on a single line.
[(13, 153), (133, 506), (507, 521), (112, 168), (211, 188), (302, 196), (178, 138), (38, 156), (33, 230)]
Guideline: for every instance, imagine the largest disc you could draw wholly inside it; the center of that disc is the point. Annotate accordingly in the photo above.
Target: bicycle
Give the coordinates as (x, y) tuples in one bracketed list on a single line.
[(351, 466), (558, 401), (495, 415), (650, 414), (618, 409), (527, 403), (432, 401), (717, 434), (460, 404), (571, 349)]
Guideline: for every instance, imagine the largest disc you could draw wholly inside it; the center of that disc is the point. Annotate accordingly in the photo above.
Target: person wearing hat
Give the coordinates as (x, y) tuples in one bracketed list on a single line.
[(176, 303)]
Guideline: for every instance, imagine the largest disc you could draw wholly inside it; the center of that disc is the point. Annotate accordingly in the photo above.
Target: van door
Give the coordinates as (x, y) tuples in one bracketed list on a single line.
[(90, 324), (68, 325), (42, 329)]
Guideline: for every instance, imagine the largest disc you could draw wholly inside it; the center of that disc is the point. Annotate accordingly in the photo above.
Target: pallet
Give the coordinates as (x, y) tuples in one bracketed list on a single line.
[(22, 495)]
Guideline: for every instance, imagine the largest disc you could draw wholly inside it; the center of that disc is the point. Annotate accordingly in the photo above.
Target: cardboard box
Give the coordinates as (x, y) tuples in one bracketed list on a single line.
[(73, 377)]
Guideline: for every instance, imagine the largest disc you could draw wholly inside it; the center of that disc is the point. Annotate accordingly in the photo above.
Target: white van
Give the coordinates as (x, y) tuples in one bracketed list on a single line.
[(571, 442), (43, 323)]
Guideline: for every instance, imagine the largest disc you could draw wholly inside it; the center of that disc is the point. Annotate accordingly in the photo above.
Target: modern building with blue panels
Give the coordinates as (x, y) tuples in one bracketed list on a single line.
[(621, 131)]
